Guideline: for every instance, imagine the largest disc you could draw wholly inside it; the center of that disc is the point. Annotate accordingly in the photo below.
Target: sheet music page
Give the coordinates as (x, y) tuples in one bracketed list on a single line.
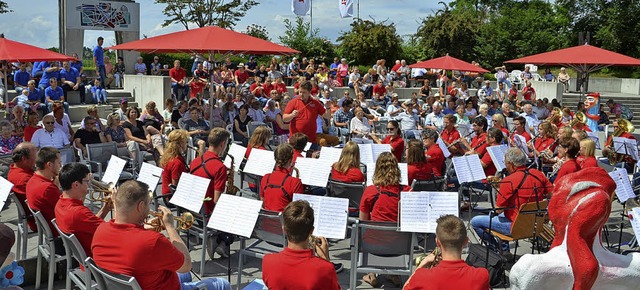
[(237, 151), (510, 123), (331, 154), (463, 170), (260, 162), (362, 141), (314, 172), (595, 138), (464, 129), (190, 192), (497, 155), (441, 203), (371, 169), (150, 175), (624, 190), (444, 148), (366, 153), (404, 173), (5, 189), (376, 150), (115, 167), (414, 212), (521, 142), (236, 215), (306, 147), (476, 167), (619, 145), (634, 218), (330, 215), (632, 148)]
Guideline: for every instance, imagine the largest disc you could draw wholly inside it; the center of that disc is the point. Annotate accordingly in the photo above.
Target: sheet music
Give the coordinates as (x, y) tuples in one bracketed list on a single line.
[(404, 173), (314, 172), (366, 153), (444, 148), (371, 169), (521, 142), (634, 218), (468, 168), (377, 149), (330, 215), (306, 147), (497, 155), (331, 154), (5, 189), (190, 192), (619, 145), (632, 148), (115, 167), (260, 162), (624, 190), (236, 215), (464, 129), (237, 151), (419, 211), (362, 141), (595, 138), (150, 175), (509, 123)]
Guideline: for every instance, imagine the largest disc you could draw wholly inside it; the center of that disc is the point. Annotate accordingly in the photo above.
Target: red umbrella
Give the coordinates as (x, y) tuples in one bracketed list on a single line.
[(210, 39), (584, 58), (448, 63)]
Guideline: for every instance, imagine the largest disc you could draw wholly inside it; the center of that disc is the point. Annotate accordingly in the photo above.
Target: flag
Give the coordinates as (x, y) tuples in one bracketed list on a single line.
[(346, 8), (300, 7)]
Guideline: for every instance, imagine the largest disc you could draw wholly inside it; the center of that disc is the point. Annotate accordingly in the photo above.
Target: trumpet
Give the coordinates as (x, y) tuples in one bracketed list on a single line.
[(185, 221), (100, 191), (438, 257)]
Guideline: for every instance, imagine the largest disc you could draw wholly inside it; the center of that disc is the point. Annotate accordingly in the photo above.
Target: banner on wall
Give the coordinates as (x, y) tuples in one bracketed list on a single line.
[(102, 15)]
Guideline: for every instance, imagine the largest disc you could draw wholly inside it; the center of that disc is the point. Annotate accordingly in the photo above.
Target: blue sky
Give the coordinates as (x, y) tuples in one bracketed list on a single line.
[(36, 21)]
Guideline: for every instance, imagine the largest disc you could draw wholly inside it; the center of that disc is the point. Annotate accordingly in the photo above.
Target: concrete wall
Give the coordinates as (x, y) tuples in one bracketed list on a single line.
[(630, 86), (145, 88), (605, 85), (551, 90)]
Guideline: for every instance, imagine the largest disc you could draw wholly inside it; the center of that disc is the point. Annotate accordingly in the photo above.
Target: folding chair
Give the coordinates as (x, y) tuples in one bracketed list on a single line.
[(270, 238), (428, 185), (351, 191), (23, 228), (111, 281), (229, 129), (81, 279), (98, 156), (46, 250), (379, 248)]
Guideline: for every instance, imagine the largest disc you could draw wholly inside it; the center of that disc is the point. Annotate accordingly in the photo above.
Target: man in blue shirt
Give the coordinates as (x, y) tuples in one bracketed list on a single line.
[(71, 80), (21, 78), (36, 98), (55, 94), (52, 72), (333, 68), (38, 68), (98, 60), (77, 64)]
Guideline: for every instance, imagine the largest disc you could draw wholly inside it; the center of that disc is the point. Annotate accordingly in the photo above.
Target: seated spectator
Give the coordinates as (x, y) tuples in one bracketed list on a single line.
[(18, 122), (92, 111), (52, 71), (8, 141), (548, 75), (469, 110), (21, 78), (461, 118), (62, 121), (240, 122), (118, 72), (136, 131), (197, 129), (90, 134), (255, 112), (55, 95), (359, 126), (347, 169), (98, 93), (199, 81), (342, 117), (354, 80), (114, 132), (394, 108), (22, 100), (32, 126), (36, 98), (139, 67), (417, 166), (156, 67), (70, 79), (280, 86), (409, 121), (178, 81)]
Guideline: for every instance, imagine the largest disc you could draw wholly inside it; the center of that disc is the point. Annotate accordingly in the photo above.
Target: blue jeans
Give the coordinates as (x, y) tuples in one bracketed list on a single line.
[(103, 75), (506, 81), (211, 283), (185, 91), (499, 223), (99, 96)]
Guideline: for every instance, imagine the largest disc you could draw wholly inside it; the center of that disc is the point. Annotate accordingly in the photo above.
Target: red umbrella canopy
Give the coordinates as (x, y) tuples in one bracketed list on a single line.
[(448, 63), (579, 55), (205, 40), (14, 51)]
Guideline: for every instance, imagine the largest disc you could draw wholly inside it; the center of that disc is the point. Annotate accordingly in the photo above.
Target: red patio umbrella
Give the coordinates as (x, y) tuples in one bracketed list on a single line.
[(448, 63), (209, 39)]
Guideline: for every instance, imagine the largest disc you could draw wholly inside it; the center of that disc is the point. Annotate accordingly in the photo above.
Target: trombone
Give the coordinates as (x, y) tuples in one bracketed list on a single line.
[(185, 221)]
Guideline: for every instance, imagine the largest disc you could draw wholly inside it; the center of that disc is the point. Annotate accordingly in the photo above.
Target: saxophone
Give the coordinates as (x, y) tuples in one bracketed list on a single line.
[(231, 188)]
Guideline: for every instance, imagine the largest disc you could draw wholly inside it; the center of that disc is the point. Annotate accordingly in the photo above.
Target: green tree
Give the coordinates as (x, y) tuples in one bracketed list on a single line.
[(205, 12), (368, 41), (411, 50), (257, 31), (4, 7), (299, 36)]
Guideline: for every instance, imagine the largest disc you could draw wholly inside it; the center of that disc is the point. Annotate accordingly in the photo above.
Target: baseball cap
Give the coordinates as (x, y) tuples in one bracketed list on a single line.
[(610, 101), (124, 101)]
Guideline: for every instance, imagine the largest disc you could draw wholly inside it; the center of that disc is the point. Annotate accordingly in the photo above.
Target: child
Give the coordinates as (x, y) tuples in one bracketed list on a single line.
[(99, 94)]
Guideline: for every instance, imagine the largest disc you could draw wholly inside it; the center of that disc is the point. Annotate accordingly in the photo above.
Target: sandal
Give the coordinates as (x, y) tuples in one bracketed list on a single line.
[(371, 279)]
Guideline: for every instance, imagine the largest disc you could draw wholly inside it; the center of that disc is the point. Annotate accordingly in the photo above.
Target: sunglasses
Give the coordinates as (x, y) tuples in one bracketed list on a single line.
[(48, 123), (391, 128)]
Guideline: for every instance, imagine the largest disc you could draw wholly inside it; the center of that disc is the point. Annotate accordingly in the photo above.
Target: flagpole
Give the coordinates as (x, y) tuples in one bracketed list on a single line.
[(311, 17), (358, 9)]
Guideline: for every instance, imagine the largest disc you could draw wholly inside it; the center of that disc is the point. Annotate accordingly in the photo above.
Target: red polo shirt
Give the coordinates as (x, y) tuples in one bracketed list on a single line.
[(258, 92), (486, 159), (354, 174), (569, 166), (281, 88), (146, 255), (449, 136), (435, 157), (524, 134), (479, 143), (276, 195), (380, 89), (587, 162), (542, 144), (305, 121), (172, 170), (450, 275), (42, 195), (527, 92), (178, 74), (298, 269), (419, 171), (397, 146), (19, 177), (218, 171), (386, 207), (514, 192), (75, 218), (242, 76)]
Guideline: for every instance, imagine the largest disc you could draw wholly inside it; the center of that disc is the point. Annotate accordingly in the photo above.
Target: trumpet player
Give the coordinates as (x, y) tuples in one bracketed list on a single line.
[(277, 188), (451, 272), (124, 246), (72, 216)]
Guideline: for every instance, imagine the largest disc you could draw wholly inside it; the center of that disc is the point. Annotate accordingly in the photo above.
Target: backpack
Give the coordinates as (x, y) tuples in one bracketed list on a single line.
[(495, 264)]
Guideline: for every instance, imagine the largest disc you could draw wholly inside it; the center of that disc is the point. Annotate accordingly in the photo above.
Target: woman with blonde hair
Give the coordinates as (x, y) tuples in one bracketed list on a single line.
[(259, 139), (417, 166), (587, 158), (172, 161), (498, 121), (347, 169)]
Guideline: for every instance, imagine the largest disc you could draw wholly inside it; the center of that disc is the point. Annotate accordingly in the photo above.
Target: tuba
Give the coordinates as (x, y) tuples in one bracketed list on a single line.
[(231, 188), (579, 117), (624, 125), (185, 221)]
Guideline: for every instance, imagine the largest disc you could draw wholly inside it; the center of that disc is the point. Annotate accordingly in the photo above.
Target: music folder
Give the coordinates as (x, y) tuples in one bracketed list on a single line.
[(190, 192), (419, 211), (114, 169), (468, 168), (236, 215), (260, 162), (497, 155), (330, 215), (624, 190), (150, 175), (626, 146)]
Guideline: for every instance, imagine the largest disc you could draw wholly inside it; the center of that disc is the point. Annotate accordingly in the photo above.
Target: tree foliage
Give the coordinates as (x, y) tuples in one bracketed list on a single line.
[(368, 41), (299, 36), (205, 12), (4, 7), (257, 31)]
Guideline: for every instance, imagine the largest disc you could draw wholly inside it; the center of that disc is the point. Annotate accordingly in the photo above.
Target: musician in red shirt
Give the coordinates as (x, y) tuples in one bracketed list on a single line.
[(519, 125), (72, 216), (625, 160), (451, 272), (172, 161), (296, 267), (124, 246), (20, 172), (417, 166), (298, 141), (450, 135), (587, 157), (494, 138), (210, 166), (347, 169), (394, 138), (259, 140), (522, 185), (303, 112), (568, 149), (545, 140), (277, 188), (479, 142), (434, 154)]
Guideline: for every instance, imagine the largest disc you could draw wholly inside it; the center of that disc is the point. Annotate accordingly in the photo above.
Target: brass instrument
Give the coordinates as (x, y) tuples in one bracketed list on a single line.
[(494, 180), (438, 257), (579, 117), (544, 153), (624, 125), (231, 188), (185, 221), (555, 116), (100, 191)]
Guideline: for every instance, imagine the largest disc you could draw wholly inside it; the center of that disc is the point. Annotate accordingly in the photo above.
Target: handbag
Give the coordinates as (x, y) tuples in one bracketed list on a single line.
[(477, 257)]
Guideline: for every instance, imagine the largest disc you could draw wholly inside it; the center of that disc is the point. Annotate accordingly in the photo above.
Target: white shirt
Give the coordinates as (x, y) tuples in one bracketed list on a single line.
[(272, 114), (360, 125), (56, 138), (407, 121), (434, 119), (64, 127)]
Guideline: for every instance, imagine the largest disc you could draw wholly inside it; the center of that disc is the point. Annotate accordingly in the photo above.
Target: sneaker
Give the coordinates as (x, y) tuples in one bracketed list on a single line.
[(212, 245), (338, 267), (223, 250), (371, 279)]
